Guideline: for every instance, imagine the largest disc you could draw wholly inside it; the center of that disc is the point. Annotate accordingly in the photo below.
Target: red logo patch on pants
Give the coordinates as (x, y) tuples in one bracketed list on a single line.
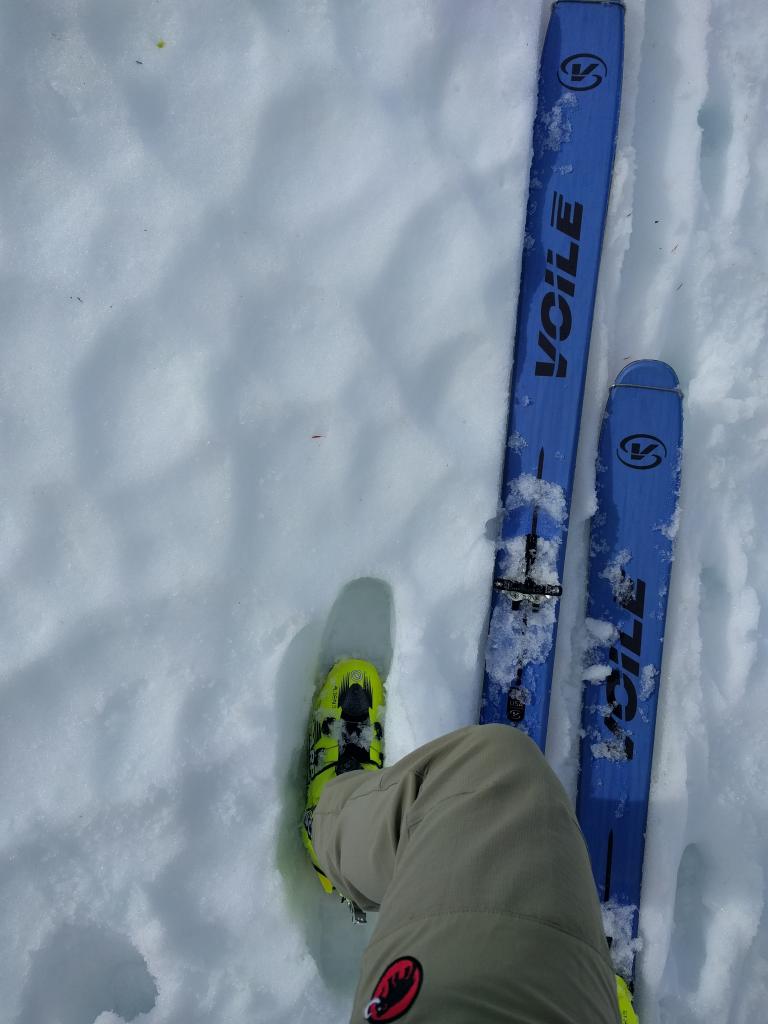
[(396, 990)]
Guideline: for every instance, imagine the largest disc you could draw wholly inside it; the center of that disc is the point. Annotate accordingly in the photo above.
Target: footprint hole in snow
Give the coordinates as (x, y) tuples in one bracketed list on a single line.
[(687, 949), (84, 972)]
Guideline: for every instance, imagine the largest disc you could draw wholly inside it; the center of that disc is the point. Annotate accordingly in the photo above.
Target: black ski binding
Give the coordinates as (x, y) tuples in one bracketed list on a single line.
[(528, 590)]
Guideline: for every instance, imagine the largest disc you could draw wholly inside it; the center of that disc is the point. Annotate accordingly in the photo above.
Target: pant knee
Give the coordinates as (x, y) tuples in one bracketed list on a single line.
[(502, 744), (487, 756)]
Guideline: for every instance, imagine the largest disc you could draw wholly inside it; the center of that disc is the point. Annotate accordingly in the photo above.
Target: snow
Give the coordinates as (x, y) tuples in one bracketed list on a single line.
[(540, 495), (259, 287), (556, 127), (615, 574), (648, 680), (617, 922)]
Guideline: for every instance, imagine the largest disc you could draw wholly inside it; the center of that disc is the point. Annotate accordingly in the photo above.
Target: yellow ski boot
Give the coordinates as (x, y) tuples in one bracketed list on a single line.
[(346, 734), (626, 1007)]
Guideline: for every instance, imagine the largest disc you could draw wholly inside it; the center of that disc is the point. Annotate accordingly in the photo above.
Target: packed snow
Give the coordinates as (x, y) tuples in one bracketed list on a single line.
[(615, 574), (260, 270), (540, 495)]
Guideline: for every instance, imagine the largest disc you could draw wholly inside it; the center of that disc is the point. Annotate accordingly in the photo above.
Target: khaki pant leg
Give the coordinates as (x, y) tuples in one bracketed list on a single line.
[(470, 848)]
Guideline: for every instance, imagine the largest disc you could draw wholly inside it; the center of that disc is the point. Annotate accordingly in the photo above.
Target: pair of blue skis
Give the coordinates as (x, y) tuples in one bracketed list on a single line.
[(637, 474)]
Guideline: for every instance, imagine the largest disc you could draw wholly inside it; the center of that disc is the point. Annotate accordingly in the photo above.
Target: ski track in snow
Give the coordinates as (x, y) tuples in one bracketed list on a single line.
[(259, 287)]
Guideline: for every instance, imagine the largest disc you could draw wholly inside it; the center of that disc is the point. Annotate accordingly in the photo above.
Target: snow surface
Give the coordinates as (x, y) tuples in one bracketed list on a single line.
[(259, 285)]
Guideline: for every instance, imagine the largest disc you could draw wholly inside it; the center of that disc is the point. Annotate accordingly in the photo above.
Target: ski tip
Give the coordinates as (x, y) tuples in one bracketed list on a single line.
[(648, 373)]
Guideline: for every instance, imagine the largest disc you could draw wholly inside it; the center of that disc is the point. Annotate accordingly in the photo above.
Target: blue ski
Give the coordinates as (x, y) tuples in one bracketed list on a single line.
[(574, 138), (638, 482)]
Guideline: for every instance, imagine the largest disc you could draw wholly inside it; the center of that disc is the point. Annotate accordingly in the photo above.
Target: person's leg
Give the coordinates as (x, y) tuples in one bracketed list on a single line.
[(470, 848)]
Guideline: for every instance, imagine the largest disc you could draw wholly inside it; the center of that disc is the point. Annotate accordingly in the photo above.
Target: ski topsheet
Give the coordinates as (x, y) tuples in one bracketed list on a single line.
[(573, 145), (638, 480)]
